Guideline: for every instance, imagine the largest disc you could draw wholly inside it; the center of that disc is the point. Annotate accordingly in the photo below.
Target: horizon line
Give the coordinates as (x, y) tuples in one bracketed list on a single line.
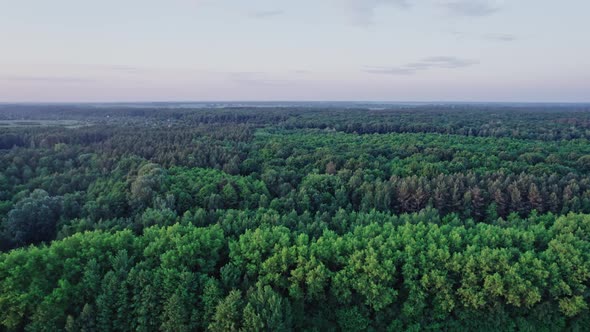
[(389, 102)]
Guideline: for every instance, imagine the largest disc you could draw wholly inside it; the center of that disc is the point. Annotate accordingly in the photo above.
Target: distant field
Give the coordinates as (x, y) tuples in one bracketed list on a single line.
[(42, 123)]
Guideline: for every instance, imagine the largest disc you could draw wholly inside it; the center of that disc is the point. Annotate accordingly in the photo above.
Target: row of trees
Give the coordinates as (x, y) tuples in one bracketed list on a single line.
[(145, 194), (414, 154), (83, 190), (385, 273), (543, 122)]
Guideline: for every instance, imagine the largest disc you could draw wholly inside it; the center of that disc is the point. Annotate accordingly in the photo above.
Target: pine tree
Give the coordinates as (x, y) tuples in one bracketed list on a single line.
[(252, 321), (515, 199), (175, 316), (87, 319), (535, 199), (404, 195), (211, 297), (477, 203), (500, 202), (230, 196), (228, 313), (441, 198), (553, 203), (106, 303)]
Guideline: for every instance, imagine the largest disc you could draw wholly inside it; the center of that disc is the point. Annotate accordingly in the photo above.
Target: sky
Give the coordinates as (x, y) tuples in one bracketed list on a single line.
[(298, 50)]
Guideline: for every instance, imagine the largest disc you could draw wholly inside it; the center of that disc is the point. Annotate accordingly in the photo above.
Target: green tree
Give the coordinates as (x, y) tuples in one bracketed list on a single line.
[(34, 219)]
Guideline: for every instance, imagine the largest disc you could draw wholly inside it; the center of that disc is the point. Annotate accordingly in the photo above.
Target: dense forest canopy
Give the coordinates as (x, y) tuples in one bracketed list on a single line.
[(306, 217)]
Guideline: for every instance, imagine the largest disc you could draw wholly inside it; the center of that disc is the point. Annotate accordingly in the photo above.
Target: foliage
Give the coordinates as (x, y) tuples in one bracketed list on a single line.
[(452, 218)]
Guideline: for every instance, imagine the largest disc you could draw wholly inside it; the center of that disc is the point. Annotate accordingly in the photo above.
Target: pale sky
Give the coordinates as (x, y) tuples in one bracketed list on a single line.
[(228, 50)]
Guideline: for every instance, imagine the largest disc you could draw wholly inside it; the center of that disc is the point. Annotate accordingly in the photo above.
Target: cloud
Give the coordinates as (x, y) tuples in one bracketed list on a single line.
[(473, 8), (72, 74), (434, 62), (120, 69), (497, 37), (363, 11), (390, 70), (504, 37), (47, 79), (266, 13), (447, 62)]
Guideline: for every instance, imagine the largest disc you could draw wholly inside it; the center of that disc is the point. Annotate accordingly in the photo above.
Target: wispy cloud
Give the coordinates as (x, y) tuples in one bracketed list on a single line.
[(81, 73), (260, 14), (120, 69), (448, 62), (496, 37), (47, 79), (445, 62), (473, 8), (363, 11), (390, 70), (503, 37)]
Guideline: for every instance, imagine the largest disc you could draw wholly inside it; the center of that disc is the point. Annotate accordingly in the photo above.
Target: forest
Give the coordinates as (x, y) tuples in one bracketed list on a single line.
[(467, 217)]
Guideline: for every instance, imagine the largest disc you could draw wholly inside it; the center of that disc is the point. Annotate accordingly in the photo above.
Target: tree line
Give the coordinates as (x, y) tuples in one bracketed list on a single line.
[(415, 272)]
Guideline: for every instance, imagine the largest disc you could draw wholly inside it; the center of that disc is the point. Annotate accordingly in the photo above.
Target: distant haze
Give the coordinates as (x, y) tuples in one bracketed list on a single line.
[(373, 50)]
